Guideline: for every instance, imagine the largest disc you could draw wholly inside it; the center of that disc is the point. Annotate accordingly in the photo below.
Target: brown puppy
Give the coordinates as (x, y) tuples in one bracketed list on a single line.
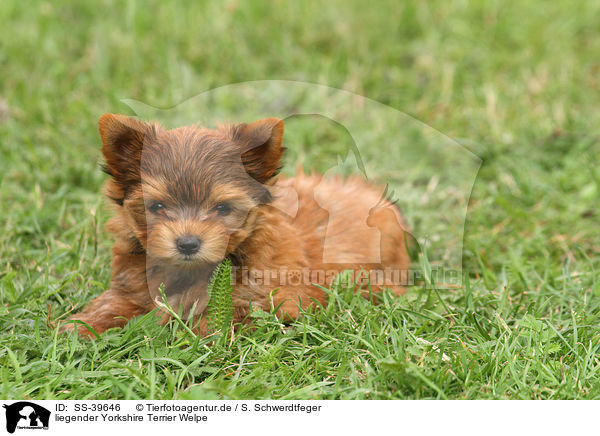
[(189, 197)]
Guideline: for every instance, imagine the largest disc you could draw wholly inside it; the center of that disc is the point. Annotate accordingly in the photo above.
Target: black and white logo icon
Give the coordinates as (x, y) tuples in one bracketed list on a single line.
[(26, 415)]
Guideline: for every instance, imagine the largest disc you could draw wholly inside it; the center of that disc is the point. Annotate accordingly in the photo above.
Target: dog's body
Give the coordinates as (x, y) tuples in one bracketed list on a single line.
[(189, 197)]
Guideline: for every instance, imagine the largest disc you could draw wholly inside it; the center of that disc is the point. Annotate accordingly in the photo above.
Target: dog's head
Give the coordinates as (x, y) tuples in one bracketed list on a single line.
[(189, 195)]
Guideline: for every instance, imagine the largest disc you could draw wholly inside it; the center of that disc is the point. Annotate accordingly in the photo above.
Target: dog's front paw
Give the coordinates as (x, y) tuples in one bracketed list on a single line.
[(74, 325)]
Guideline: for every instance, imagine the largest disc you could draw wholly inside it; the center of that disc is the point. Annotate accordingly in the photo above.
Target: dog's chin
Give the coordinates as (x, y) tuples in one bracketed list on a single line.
[(172, 258), (192, 262), (181, 261)]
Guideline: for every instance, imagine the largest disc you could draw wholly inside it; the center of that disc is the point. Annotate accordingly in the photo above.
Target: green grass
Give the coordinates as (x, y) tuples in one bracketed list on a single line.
[(515, 82)]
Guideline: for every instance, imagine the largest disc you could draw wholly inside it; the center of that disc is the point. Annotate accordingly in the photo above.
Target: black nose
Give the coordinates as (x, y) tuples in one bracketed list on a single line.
[(188, 245)]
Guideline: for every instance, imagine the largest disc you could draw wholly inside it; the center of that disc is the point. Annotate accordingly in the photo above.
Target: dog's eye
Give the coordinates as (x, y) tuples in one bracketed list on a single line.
[(223, 209), (156, 207)]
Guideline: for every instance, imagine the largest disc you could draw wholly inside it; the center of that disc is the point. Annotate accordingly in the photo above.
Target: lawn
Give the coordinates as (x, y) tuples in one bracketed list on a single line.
[(515, 83)]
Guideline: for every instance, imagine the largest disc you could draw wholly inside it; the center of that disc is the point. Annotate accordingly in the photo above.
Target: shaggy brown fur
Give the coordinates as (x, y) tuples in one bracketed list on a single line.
[(187, 198)]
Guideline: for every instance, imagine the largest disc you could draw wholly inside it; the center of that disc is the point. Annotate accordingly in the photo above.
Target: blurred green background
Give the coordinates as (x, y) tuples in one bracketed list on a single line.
[(516, 82)]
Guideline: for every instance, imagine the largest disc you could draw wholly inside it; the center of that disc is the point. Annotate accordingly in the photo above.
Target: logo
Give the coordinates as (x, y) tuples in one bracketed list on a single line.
[(26, 415)]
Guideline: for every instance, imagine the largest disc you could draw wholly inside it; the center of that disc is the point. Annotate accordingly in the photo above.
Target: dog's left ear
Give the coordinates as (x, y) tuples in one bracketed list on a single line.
[(261, 147)]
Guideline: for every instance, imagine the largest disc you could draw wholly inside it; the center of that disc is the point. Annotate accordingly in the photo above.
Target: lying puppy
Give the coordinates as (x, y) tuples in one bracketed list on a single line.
[(189, 197)]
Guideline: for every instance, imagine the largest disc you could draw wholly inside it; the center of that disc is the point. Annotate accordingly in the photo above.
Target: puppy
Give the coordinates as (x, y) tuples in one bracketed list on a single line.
[(189, 197)]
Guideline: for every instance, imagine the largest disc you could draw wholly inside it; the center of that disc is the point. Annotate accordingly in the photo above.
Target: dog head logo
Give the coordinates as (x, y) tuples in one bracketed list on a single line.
[(344, 136), (26, 415)]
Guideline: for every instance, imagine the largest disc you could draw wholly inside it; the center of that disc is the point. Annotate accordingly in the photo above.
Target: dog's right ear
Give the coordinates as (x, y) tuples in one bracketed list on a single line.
[(122, 143), (123, 140)]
